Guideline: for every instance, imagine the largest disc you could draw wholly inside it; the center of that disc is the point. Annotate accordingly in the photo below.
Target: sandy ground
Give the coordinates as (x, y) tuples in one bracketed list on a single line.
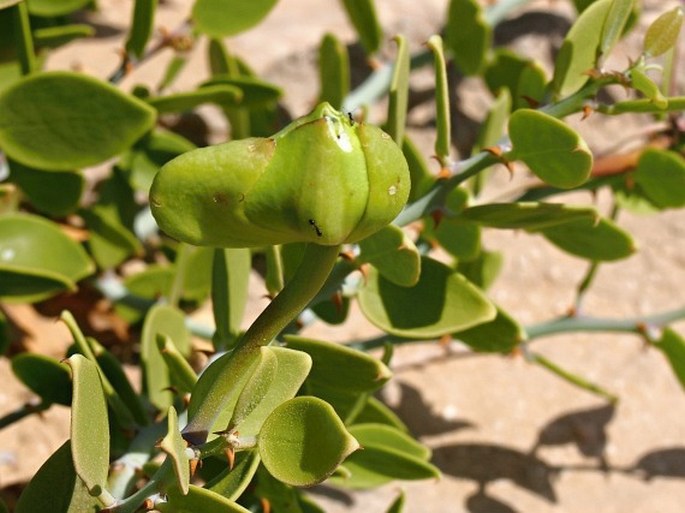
[(508, 436)]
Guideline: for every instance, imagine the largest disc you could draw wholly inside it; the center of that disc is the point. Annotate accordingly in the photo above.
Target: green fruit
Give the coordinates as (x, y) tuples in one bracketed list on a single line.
[(323, 179)]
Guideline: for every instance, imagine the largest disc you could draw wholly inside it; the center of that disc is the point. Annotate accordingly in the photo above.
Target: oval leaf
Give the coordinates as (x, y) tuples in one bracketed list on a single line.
[(550, 148), (303, 441), (37, 260), (338, 366), (220, 94), (362, 14), (662, 34), (442, 301), (62, 121), (198, 500), (169, 321), (334, 71), (220, 18), (45, 376), (602, 241), (527, 215), (90, 428), (384, 436), (468, 35), (661, 175), (56, 193), (394, 254), (501, 335)]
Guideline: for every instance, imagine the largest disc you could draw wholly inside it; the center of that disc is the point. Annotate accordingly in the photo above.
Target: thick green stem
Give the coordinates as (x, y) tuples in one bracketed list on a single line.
[(310, 276), (24, 411), (644, 105), (24, 38)]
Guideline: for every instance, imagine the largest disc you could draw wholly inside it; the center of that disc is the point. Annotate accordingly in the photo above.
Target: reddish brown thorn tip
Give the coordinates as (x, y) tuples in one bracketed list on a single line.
[(532, 102), (266, 505), (337, 300), (194, 463), (230, 456), (148, 504), (587, 111), (445, 340), (347, 256), (438, 215), (364, 270)]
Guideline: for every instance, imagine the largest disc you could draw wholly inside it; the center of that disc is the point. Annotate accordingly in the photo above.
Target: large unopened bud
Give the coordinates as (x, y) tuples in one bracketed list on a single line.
[(323, 179)]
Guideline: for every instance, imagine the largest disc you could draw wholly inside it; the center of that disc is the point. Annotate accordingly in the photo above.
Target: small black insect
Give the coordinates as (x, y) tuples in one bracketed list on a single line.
[(349, 115), (318, 231)]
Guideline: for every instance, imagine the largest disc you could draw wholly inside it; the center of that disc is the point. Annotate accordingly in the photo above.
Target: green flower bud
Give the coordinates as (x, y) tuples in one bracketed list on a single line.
[(323, 179)]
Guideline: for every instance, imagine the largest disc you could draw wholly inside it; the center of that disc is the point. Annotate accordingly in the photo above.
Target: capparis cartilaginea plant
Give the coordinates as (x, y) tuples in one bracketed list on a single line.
[(311, 202)]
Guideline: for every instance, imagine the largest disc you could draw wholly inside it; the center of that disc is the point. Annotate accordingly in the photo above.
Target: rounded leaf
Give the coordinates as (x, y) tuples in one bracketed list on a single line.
[(220, 18), (663, 33), (442, 301), (37, 260), (303, 441), (601, 240), (63, 121), (661, 175), (45, 376), (56, 193), (550, 148)]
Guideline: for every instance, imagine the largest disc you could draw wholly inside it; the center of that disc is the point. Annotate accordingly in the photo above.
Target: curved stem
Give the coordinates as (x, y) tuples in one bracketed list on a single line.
[(310, 276), (24, 38), (24, 411)]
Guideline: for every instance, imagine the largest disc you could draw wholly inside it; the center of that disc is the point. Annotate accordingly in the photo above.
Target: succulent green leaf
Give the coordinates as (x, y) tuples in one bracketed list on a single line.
[(217, 391), (278, 377), (394, 254), (640, 81), (384, 459), (57, 488), (362, 15), (221, 94), (580, 50), (500, 335), (672, 345), (232, 482), (56, 193), (150, 154), (254, 92), (172, 71), (528, 215), (483, 270), (323, 179), (398, 96), (37, 260), (53, 37), (442, 301), (531, 86), (337, 366), (141, 26), (459, 237), (198, 499), (334, 71), (282, 497), (616, 20), (303, 441), (550, 148), (45, 376), (110, 242), (89, 428), (492, 129), (468, 35), (175, 448), (165, 320), (145, 286), (503, 71), (63, 121), (397, 505), (230, 274), (375, 412), (221, 18), (51, 8), (663, 33), (334, 310), (601, 240), (181, 374), (442, 101), (220, 61), (661, 176)]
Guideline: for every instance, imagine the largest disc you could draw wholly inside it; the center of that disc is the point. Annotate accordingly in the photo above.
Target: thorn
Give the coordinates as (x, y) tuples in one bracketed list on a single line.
[(510, 168), (438, 215), (593, 73), (532, 102), (230, 456), (337, 299), (494, 150), (186, 399), (365, 273), (374, 63), (587, 110), (171, 389), (148, 504), (266, 505), (445, 340), (268, 296), (194, 463), (348, 256)]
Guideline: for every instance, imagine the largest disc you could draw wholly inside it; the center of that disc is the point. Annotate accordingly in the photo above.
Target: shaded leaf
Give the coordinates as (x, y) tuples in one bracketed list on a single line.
[(661, 176), (550, 148), (62, 121), (442, 102), (482, 271), (198, 500), (37, 260), (230, 274), (382, 435), (442, 301), (615, 23), (53, 37), (55, 193), (303, 441), (376, 412), (231, 482), (335, 365), (672, 344), (421, 178), (397, 505), (181, 375), (141, 26), (362, 14), (501, 335), (394, 254), (468, 35), (45, 376), (398, 95), (219, 94), (51, 8), (56, 488), (254, 92), (602, 240), (220, 18), (527, 215), (334, 71)]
